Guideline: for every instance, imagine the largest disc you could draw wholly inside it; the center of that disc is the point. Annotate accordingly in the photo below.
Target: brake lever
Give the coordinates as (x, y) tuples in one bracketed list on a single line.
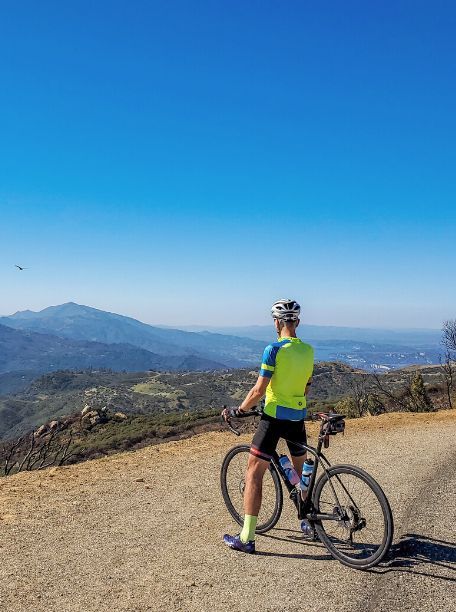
[(254, 412), (231, 428)]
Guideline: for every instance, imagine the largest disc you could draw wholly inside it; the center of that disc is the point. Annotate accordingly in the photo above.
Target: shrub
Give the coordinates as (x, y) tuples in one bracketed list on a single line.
[(348, 406), (375, 406), (420, 400)]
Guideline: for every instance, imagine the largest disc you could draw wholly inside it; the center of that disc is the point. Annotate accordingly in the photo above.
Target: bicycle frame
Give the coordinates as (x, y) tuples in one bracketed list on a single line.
[(305, 507), (322, 502)]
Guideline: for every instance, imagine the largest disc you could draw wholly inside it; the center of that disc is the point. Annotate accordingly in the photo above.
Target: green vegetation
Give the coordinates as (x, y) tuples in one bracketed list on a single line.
[(138, 431), (113, 411), (160, 389), (153, 387), (63, 393), (94, 433), (421, 401)]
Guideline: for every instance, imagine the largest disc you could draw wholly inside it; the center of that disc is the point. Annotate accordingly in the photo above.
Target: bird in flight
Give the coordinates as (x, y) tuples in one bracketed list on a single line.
[(20, 267)]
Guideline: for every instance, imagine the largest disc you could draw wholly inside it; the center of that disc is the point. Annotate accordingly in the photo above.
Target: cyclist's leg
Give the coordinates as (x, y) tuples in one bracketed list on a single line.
[(266, 438), (298, 462), (263, 445), (254, 485), (296, 436)]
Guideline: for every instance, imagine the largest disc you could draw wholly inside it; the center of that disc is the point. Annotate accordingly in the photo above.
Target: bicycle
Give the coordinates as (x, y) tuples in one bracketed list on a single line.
[(329, 505)]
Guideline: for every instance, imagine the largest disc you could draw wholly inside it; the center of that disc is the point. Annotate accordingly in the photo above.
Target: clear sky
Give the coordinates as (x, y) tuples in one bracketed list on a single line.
[(190, 162)]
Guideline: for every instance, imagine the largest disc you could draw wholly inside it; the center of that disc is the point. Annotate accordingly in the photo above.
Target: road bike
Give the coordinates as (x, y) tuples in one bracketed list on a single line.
[(346, 506)]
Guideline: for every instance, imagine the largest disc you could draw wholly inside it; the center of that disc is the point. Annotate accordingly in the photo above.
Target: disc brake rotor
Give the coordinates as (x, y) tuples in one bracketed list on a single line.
[(350, 517)]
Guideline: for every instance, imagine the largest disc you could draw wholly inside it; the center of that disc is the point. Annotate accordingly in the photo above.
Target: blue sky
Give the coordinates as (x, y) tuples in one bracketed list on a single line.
[(190, 162)]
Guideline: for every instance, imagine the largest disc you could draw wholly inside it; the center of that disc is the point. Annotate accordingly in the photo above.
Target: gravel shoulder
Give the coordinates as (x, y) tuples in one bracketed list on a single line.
[(142, 531)]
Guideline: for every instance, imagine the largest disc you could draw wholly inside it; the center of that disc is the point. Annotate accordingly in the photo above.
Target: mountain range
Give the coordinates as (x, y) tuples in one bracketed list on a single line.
[(22, 350), (75, 336), (78, 322)]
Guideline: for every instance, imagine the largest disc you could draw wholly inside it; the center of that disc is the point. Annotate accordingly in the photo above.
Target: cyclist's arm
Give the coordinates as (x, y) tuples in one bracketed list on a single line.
[(255, 394), (266, 371)]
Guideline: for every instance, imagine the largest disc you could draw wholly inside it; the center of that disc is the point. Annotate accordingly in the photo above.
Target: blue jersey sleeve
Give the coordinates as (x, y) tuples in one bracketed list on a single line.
[(269, 360)]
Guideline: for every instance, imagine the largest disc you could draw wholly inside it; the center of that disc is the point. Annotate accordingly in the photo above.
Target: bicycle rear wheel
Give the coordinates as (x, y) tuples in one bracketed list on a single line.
[(362, 534), (232, 482)]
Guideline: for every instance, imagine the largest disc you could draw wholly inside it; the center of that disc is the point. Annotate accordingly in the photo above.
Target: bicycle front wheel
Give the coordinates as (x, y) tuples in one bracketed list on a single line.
[(362, 533), (232, 481)]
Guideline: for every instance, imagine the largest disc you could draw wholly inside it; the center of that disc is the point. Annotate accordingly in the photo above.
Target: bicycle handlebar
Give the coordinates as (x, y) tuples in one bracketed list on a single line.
[(242, 415), (325, 428)]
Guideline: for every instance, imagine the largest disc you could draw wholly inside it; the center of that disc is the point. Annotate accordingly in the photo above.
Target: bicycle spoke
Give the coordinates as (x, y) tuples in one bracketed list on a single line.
[(361, 530), (234, 478)]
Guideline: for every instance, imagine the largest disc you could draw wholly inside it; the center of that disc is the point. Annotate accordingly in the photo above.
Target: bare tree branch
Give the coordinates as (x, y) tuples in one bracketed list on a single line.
[(449, 334), (66, 454), (34, 452), (9, 463), (28, 454), (383, 389), (448, 370)]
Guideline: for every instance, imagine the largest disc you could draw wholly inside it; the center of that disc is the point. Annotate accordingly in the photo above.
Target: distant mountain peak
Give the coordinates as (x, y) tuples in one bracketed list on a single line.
[(23, 314), (67, 309)]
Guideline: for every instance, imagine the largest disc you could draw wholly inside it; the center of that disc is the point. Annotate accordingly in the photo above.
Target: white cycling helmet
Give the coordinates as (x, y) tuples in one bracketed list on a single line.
[(286, 310)]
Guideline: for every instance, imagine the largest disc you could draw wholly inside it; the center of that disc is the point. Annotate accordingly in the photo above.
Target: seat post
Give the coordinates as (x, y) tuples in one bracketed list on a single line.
[(320, 439)]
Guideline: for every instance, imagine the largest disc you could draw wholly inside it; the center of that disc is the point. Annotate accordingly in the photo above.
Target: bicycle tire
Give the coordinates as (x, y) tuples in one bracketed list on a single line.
[(388, 528), (271, 520)]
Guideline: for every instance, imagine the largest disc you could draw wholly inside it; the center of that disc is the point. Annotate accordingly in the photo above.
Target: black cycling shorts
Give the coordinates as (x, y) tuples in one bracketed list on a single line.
[(269, 432)]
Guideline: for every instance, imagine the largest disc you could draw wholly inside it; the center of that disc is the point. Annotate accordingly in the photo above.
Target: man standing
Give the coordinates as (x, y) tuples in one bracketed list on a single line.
[(285, 375)]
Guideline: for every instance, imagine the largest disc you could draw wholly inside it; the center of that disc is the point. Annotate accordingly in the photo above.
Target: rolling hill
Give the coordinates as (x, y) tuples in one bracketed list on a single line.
[(164, 394)]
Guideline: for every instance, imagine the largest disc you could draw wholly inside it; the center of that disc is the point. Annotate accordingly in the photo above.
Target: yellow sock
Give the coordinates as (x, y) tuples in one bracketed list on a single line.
[(248, 531)]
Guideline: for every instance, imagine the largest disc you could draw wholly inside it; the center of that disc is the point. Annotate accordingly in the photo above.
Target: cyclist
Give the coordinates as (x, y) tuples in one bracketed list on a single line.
[(285, 376)]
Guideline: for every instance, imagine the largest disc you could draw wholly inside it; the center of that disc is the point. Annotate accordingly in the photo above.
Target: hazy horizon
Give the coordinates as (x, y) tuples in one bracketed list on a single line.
[(267, 321)]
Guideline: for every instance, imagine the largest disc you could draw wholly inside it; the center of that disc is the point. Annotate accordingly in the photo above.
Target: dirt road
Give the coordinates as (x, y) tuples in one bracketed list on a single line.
[(142, 531)]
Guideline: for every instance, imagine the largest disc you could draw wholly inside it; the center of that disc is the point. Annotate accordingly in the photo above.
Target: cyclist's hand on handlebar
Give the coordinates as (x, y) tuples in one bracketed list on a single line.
[(229, 413)]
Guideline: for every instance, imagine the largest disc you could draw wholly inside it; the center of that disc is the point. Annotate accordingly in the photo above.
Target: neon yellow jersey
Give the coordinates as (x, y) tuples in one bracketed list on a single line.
[(289, 364)]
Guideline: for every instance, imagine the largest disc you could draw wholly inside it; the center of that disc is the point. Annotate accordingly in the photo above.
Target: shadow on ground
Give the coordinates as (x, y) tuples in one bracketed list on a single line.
[(296, 537), (421, 555), (412, 554)]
